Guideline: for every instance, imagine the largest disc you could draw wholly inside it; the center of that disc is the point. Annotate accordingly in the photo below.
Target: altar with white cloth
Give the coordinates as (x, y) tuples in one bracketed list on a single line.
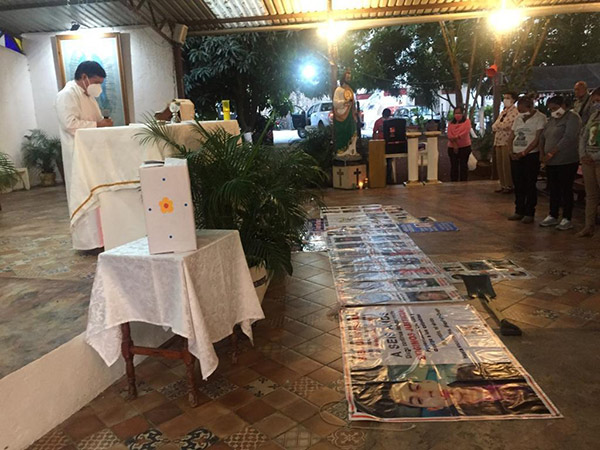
[(105, 202)]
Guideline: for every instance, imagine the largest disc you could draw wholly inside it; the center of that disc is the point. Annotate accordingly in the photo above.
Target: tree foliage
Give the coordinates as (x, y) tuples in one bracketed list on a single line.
[(255, 70), (445, 56), (259, 70), (558, 40)]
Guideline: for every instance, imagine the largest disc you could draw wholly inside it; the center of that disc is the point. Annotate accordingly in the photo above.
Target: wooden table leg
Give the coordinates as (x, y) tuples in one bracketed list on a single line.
[(190, 362), (126, 345), (235, 347)]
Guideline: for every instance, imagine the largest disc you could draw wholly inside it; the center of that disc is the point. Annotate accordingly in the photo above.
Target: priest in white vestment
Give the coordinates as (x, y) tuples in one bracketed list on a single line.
[(77, 108)]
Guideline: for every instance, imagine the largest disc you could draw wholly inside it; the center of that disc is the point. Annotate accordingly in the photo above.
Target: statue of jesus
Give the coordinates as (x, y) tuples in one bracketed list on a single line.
[(344, 113)]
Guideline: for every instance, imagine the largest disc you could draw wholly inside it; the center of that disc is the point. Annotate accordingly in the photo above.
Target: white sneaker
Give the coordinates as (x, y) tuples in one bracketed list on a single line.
[(549, 222), (564, 224)]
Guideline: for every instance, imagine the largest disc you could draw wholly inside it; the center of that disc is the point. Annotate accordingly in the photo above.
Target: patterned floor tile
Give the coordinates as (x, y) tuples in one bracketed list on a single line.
[(198, 439), (585, 290), (558, 273), (143, 388), (548, 314), (148, 440), (99, 441), (247, 439), (217, 387), (339, 410), (348, 438), (298, 438), (261, 387), (55, 440), (304, 386), (583, 314), (175, 390), (270, 349)]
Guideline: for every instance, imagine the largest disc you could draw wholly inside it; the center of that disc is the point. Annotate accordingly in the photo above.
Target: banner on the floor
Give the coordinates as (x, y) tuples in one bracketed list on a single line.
[(374, 264), (497, 269), (427, 227), (433, 363)]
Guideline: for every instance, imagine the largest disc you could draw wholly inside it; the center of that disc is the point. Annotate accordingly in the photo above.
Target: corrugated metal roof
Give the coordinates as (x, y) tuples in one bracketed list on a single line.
[(563, 78), (224, 16)]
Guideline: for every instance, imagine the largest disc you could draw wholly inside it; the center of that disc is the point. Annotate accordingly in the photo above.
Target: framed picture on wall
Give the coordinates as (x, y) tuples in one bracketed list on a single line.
[(105, 49)]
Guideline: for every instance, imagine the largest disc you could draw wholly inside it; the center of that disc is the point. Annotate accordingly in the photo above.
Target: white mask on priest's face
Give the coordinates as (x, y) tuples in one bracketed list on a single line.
[(558, 113), (94, 90)]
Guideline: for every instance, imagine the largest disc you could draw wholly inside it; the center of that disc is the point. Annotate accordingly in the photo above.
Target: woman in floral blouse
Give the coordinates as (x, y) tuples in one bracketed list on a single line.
[(502, 129)]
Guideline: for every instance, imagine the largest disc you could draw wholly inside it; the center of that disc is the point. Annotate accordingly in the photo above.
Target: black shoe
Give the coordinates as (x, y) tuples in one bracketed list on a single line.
[(527, 219)]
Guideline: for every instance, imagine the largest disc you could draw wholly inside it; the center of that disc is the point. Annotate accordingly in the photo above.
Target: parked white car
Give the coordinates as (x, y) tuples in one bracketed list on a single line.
[(319, 115)]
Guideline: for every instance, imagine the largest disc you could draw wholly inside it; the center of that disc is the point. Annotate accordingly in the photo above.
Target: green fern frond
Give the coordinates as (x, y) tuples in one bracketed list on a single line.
[(8, 172)]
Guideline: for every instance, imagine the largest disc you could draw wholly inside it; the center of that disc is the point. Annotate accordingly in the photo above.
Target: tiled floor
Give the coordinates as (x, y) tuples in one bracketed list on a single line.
[(42, 280), (272, 397)]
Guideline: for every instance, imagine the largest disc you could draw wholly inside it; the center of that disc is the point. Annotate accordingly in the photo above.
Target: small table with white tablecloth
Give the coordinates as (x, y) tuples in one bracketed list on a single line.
[(105, 203), (201, 295)]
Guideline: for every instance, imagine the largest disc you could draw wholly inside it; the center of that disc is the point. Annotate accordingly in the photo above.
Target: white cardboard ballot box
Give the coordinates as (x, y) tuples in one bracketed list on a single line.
[(168, 208), (348, 177)]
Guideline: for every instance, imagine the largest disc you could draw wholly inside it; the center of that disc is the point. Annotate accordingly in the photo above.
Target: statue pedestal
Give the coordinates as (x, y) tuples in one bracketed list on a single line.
[(348, 176), (433, 156), (413, 158)]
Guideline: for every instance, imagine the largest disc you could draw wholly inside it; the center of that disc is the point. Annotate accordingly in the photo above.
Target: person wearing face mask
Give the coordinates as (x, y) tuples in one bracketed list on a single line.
[(525, 158), (582, 104), (589, 155), (502, 128), (77, 108), (558, 144), (459, 145)]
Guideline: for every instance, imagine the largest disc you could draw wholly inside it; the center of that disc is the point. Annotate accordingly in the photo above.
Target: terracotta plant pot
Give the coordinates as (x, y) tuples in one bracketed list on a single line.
[(48, 179), (261, 279)]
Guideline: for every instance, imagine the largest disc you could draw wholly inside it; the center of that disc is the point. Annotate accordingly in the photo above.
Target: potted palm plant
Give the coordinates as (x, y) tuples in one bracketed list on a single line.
[(261, 191), (42, 152), (8, 173)]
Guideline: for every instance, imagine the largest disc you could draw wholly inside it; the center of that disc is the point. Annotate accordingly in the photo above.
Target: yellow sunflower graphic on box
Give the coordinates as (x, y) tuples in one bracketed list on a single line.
[(166, 205)]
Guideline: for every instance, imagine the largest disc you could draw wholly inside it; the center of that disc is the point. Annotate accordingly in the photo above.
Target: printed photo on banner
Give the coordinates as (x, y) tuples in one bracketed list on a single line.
[(397, 297), (400, 284), (428, 363), (395, 270), (497, 269)]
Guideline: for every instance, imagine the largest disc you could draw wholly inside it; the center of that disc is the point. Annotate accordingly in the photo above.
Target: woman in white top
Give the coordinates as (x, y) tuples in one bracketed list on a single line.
[(525, 158)]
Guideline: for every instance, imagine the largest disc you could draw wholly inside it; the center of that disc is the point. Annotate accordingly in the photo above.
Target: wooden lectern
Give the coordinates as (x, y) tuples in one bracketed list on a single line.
[(377, 165)]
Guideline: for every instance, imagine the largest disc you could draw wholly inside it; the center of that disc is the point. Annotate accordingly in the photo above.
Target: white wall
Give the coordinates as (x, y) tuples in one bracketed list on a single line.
[(41, 395), (149, 72), (17, 113)]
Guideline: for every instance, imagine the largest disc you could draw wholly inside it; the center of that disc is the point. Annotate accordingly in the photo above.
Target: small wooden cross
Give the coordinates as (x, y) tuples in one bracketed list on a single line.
[(357, 172), (340, 174)]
